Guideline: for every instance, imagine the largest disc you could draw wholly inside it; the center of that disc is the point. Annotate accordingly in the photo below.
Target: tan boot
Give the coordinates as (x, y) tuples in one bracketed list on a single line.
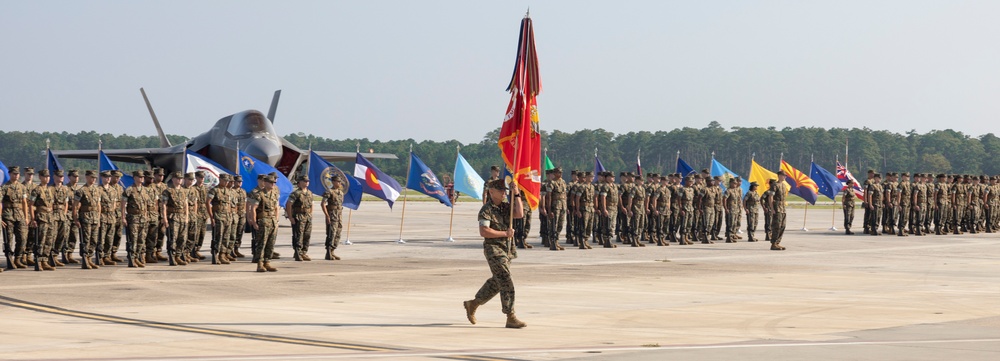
[(18, 263), (68, 258), (29, 260), (45, 265), (513, 322), (180, 260), (260, 267), (329, 255), (267, 266), (470, 310), (305, 257), (93, 264), (159, 256), (274, 255), (114, 257), (55, 262), (236, 252), (85, 264), (223, 259), (334, 255), (107, 261)]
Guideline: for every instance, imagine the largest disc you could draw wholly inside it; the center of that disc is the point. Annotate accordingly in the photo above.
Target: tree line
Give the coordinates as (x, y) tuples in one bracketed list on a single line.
[(938, 151)]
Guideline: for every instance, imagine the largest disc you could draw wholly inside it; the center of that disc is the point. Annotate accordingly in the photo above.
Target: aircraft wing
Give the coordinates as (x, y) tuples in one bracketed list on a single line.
[(351, 156), (137, 155)]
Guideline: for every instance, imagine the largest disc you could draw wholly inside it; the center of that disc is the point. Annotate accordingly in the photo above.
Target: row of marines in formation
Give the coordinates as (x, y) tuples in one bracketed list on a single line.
[(43, 222), (659, 210), (953, 204)]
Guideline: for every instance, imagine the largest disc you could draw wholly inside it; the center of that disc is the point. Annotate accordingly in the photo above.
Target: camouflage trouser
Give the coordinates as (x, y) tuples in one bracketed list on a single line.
[(72, 238), (61, 230), (707, 222), (301, 233), (500, 283), (620, 223), (636, 225), (889, 218), (731, 225), (717, 224), (902, 218), (739, 221), (686, 223), (777, 227), (751, 225), (768, 216), (333, 228), (959, 216), (543, 228), (46, 233), (876, 216), (267, 229), (584, 226), (662, 226), (675, 220), (229, 241), (866, 220), (107, 239), (240, 230), (135, 240), (556, 219), (848, 217), (176, 235), (116, 241), (89, 238), (944, 216), (196, 233), (152, 230), (220, 233), (570, 226), (18, 231)]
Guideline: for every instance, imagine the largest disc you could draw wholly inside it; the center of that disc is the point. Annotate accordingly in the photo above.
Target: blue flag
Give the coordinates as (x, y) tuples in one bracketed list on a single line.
[(250, 167), (719, 170), (684, 169), (4, 174), (320, 173), (375, 182), (828, 183), (52, 164), (598, 167), (467, 180), (104, 164), (423, 180)]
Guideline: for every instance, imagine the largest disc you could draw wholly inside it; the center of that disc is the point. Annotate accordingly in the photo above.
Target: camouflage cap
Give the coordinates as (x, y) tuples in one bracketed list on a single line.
[(261, 177), (905, 174), (574, 172), (199, 174), (497, 184), (772, 181), (189, 176), (303, 178), (494, 167), (941, 175), (138, 174), (273, 177), (74, 173), (90, 173), (780, 172), (238, 178), (58, 173), (147, 173), (116, 173), (158, 171), (178, 175), (588, 173), (106, 174), (29, 170), (335, 178), (557, 170), (224, 177), (753, 184), (43, 173), (14, 169)]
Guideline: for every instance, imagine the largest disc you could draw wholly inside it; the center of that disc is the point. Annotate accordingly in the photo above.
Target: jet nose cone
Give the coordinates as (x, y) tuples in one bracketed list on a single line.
[(264, 149)]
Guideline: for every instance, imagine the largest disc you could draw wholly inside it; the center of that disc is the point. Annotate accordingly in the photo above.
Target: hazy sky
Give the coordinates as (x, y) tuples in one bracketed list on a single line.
[(437, 69)]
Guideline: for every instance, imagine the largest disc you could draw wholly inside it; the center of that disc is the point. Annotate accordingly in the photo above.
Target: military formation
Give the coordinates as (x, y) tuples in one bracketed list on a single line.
[(45, 223), (657, 209), (896, 204)]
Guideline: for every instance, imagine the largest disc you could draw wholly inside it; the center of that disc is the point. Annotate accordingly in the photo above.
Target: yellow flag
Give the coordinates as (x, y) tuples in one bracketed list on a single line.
[(761, 175)]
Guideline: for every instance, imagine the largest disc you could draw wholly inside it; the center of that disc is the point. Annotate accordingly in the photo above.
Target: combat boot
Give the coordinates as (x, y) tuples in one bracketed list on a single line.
[(196, 256), (267, 266), (470, 310), (172, 260), (180, 260), (215, 257), (610, 245), (95, 262), (223, 259), (114, 256), (18, 263), (275, 255), (297, 257), (260, 267), (513, 322), (237, 254), (85, 264), (29, 260), (66, 258), (305, 257), (55, 262), (190, 259), (45, 264), (159, 256), (776, 247), (107, 261), (131, 260), (150, 258), (334, 255), (329, 254), (847, 231)]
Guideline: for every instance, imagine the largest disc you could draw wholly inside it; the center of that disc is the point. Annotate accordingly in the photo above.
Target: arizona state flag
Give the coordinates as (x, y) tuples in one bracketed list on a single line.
[(520, 142)]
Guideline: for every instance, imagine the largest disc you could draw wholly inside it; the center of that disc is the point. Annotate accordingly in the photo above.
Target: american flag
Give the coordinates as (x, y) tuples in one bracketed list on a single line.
[(843, 174)]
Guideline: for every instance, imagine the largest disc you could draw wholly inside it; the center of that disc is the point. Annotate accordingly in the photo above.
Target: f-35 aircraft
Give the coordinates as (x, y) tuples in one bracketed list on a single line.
[(249, 131)]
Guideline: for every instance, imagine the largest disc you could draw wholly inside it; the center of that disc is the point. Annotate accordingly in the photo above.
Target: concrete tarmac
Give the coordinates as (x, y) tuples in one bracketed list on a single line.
[(827, 297)]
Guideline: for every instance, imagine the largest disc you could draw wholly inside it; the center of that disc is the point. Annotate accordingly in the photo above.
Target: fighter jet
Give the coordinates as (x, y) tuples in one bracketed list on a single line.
[(249, 131)]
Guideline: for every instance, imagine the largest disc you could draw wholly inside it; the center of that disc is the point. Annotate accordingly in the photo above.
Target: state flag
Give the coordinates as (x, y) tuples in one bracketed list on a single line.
[(375, 182)]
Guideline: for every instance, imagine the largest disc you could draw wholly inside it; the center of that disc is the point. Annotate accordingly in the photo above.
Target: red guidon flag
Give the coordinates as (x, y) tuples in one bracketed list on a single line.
[(520, 142)]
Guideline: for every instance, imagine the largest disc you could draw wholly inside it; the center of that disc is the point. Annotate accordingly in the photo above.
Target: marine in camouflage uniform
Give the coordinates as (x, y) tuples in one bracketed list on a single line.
[(675, 212), (543, 224), (42, 205), (14, 200), (719, 208), (74, 231), (523, 226), (118, 227), (652, 195), (263, 216), (751, 203), (687, 213), (942, 204), (768, 208), (196, 228), (664, 200), (637, 219), (240, 217), (221, 206), (918, 204), (905, 189), (960, 202), (975, 199), (875, 201), (778, 212), (627, 190), (109, 202), (333, 208), (60, 217), (298, 210), (135, 210), (174, 210), (847, 202), (608, 199), (87, 214), (154, 233), (494, 227), (585, 210), (992, 201), (27, 180), (892, 194), (556, 199), (707, 206), (733, 206), (571, 193)]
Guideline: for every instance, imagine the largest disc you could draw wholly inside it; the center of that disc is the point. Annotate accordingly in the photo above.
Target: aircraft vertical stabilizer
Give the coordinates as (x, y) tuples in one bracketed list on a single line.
[(164, 142), (274, 105)]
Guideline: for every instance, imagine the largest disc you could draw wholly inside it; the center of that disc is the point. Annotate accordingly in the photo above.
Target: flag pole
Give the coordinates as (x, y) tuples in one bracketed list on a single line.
[(833, 214), (451, 220), (806, 215), (350, 212), (402, 214)]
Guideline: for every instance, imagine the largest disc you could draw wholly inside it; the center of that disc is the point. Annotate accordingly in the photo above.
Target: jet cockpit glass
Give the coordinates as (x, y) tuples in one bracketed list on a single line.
[(249, 123)]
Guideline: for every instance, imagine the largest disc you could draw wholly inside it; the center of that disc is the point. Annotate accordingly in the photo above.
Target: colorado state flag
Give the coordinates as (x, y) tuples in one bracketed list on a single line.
[(375, 182), (799, 183)]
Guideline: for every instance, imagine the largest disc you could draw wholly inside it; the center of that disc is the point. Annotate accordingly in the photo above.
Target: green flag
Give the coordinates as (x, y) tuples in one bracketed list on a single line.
[(548, 163)]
